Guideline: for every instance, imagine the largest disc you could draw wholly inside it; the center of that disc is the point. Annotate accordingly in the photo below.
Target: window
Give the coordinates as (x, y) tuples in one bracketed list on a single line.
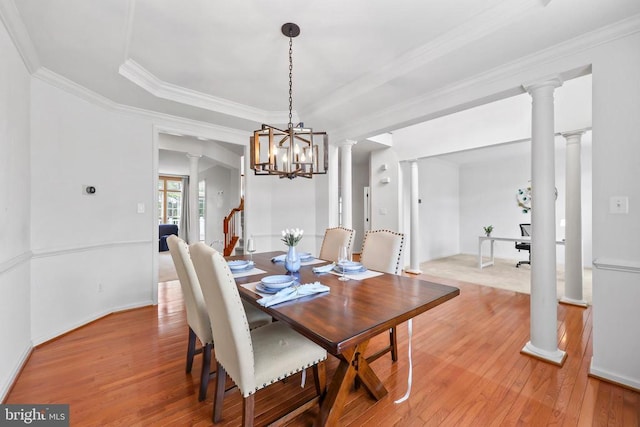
[(169, 199)]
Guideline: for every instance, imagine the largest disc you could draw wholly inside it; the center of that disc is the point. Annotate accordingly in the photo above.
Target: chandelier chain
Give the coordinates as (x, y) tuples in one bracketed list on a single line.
[(290, 79)]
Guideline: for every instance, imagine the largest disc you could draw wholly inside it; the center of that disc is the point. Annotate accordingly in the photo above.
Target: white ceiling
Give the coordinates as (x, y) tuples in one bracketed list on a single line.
[(225, 62)]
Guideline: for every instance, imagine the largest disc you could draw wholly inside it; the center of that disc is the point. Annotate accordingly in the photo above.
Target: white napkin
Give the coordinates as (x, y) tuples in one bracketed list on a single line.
[(324, 268), (293, 292), (279, 258)]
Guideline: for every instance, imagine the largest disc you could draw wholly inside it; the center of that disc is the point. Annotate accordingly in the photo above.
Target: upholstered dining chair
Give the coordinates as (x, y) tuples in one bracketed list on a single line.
[(254, 359), (333, 239), (382, 251), (197, 316)]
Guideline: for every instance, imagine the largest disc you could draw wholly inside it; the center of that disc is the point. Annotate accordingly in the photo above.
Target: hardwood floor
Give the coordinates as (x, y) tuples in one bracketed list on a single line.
[(129, 369)]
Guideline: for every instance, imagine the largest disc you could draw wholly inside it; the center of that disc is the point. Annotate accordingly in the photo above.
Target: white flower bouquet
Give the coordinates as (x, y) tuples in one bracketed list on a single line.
[(292, 237)]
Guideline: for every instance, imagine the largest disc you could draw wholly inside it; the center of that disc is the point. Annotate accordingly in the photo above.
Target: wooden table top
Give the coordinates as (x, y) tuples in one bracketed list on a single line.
[(353, 311)]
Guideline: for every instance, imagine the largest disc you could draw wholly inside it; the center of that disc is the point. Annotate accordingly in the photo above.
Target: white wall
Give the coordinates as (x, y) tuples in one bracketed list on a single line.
[(92, 254), (439, 184), (15, 254), (222, 196), (273, 204), (386, 207), (439, 210), (616, 162), (488, 197)]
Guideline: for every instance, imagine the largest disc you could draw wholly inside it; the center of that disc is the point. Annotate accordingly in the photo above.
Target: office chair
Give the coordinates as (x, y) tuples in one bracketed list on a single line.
[(525, 230)]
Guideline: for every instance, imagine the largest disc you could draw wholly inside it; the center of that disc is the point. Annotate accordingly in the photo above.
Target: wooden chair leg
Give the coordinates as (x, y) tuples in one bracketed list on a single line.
[(248, 405), (191, 349), (393, 342), (320, 375), (221, 378), (205, 374)]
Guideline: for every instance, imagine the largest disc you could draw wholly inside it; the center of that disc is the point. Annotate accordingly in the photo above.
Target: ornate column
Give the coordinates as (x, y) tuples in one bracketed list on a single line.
[(573, 268), (346, 183), (544, 311), (194, 223), (414, 263)]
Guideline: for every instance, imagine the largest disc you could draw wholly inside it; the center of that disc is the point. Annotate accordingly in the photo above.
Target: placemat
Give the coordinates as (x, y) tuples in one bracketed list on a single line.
[(251, 272)]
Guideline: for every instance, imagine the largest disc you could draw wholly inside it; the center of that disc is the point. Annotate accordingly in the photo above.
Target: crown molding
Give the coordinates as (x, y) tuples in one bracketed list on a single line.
[(194, 127), (10, 264), (17, 31), (416, 106), (140, 76)]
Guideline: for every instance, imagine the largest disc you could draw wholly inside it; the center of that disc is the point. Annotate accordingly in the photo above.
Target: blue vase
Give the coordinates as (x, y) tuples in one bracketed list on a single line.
[(292, 260)]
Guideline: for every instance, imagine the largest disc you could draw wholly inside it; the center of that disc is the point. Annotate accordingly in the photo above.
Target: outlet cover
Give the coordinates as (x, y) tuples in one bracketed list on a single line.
[(619, 205)]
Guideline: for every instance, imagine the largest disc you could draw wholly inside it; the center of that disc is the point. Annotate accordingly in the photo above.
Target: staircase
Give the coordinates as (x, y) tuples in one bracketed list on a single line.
[(230, 225)]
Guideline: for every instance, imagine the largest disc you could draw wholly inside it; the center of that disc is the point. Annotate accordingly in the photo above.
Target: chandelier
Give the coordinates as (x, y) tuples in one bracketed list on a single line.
[(292, 152)]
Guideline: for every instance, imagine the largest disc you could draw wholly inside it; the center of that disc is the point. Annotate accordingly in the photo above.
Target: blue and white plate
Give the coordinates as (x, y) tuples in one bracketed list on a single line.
[(265, 290), (350, 267), (239, 265), (305, 256), (277, 282)]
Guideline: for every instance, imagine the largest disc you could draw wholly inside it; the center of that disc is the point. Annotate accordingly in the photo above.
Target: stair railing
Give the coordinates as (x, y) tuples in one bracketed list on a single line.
[(229, 225)]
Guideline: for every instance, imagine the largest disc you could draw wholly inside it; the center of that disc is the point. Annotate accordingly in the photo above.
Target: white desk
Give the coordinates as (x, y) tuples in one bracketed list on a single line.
[(504, 239)]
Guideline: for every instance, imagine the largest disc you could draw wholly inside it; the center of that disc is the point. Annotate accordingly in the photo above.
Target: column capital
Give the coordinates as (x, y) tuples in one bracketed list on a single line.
[(574, 135), (347, 143), (193, 156), (551, 81)]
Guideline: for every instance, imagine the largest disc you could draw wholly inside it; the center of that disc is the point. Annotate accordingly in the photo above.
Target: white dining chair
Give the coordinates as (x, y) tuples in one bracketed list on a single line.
[(382, 251), (254, 359), (197, 316), (333, 239)]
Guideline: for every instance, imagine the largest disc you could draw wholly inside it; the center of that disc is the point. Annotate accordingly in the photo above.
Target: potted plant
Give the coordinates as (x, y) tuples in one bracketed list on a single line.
[(488, 229)]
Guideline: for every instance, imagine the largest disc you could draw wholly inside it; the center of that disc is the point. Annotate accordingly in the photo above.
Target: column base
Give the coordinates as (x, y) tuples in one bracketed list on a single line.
[(556, 357), (413, 271), (571, 301)]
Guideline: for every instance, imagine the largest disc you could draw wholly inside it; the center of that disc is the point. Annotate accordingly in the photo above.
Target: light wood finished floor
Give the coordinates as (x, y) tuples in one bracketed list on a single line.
[(128, 369)]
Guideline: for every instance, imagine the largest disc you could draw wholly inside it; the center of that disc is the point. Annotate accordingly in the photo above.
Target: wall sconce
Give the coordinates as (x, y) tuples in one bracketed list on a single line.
[(385, 180)]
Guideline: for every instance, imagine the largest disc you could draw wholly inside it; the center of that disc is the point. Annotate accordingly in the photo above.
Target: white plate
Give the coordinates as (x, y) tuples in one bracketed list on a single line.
[(238, 265), (305, 256), (262, 288), (277, 282), (350, 266)]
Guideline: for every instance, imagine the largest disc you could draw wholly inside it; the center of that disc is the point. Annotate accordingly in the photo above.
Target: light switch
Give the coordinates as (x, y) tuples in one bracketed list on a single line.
[(619, 205), (140, 207)]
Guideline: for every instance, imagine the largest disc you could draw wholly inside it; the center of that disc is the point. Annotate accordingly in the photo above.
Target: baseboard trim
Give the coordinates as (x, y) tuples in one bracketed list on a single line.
[(13, 378), (601, 374), (59, 334), (574, 302), (556, 358)]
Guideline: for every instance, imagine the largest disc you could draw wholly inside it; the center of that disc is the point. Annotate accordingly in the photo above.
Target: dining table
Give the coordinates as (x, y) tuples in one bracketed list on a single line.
[(344, 319)]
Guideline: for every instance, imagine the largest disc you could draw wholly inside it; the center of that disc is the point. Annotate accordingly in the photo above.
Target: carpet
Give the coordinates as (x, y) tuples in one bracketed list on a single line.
[(166, 269), (503, 274)]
